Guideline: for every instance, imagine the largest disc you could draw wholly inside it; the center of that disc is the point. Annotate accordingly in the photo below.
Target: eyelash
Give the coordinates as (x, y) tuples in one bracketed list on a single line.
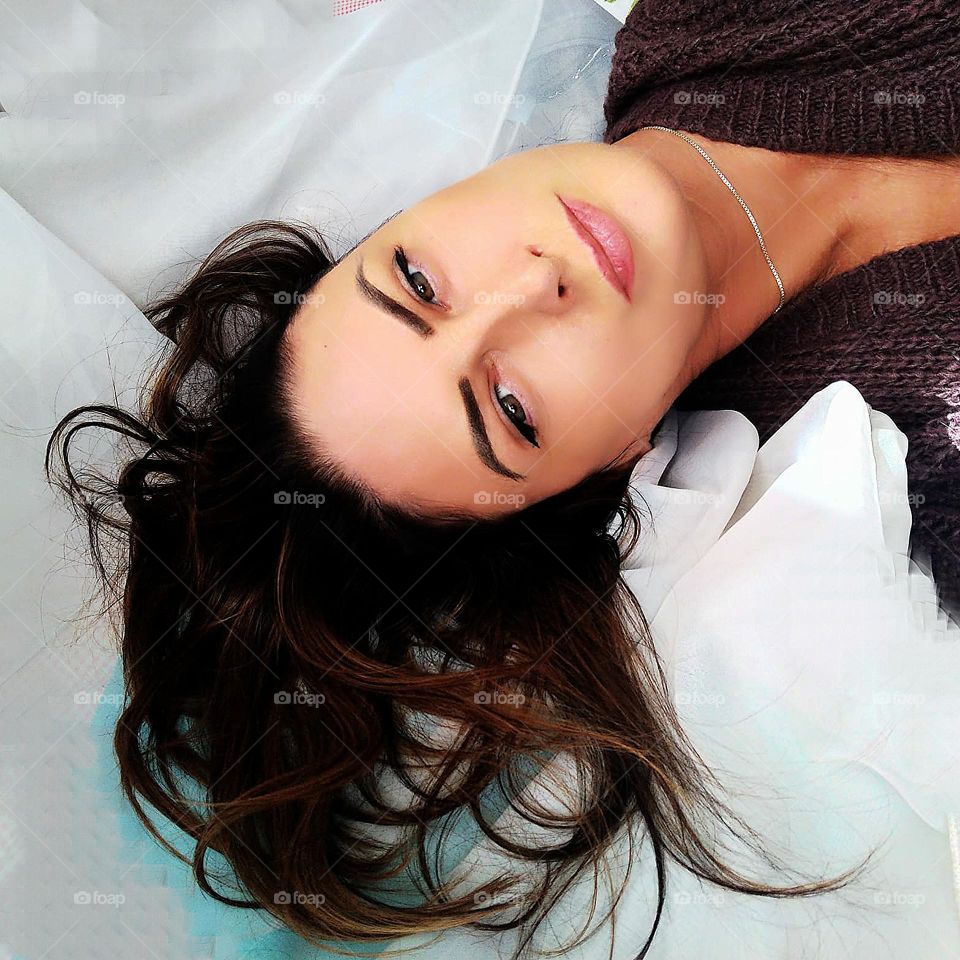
[(400, 259), (527, 432)]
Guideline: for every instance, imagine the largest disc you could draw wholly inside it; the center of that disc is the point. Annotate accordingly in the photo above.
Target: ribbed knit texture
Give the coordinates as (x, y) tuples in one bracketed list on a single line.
[(813, 77)]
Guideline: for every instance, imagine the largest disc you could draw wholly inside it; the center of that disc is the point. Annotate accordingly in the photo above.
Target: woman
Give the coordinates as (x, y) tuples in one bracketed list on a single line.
[(394, 484), (861, 99)]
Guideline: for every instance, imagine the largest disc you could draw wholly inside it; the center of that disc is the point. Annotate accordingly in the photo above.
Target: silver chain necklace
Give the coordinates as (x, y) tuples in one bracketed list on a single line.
[(730, 187)]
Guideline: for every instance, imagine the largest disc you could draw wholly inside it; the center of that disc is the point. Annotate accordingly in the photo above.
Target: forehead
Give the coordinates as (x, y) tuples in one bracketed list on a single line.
[(385, 403)]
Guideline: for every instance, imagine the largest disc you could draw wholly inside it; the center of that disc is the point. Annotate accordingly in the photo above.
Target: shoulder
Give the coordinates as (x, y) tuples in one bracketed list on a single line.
[(827, 34), (806, 68)]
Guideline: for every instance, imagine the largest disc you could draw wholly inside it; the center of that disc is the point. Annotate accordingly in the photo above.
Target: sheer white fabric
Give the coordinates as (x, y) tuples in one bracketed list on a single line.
[(806, 656)]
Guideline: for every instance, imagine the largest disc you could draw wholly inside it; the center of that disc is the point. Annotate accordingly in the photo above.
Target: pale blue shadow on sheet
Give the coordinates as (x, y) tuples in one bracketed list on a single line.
[(220, 931)]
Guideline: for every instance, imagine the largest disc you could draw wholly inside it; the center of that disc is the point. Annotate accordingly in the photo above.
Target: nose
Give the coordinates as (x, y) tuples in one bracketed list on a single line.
[(531, 288), (541, 282)]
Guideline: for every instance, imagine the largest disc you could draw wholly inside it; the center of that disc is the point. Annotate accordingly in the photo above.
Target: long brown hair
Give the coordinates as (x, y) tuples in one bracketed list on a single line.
[(281, 627)]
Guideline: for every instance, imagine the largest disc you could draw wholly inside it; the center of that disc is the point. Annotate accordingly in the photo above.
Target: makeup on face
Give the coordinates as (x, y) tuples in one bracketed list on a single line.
[(607, 241)]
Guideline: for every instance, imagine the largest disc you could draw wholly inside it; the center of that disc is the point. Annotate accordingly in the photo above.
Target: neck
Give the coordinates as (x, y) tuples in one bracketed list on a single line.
[(794, 199)]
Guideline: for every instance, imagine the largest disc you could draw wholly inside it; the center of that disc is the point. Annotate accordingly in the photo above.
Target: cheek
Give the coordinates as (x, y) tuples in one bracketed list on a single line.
[(595, 407), (617, 392), (666, 352)]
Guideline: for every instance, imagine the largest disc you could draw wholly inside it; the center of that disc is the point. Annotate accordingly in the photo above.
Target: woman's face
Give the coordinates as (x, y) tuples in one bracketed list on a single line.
[(406, 398)]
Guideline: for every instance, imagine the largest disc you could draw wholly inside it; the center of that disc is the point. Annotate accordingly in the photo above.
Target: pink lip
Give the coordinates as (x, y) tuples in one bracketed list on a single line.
[(606, 238)]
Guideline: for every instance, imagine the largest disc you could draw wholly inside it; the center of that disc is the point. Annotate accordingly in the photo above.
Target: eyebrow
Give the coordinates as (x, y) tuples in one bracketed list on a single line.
[(384, 302), (475, 421)]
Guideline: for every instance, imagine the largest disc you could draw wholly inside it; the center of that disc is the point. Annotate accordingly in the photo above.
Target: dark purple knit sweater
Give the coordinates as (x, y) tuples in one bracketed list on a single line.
[(827, 77)]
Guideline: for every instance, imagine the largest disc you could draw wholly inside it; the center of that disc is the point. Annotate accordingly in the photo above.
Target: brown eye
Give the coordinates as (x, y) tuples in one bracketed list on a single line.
[(517, 415), (417, 282)]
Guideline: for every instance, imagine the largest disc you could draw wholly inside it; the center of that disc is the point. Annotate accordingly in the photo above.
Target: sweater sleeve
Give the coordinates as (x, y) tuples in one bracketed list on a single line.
[(808, 75)]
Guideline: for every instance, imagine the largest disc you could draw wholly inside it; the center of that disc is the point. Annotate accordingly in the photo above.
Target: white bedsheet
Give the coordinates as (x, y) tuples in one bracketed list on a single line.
[(140, 133), (815, 673), (807, 658)]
